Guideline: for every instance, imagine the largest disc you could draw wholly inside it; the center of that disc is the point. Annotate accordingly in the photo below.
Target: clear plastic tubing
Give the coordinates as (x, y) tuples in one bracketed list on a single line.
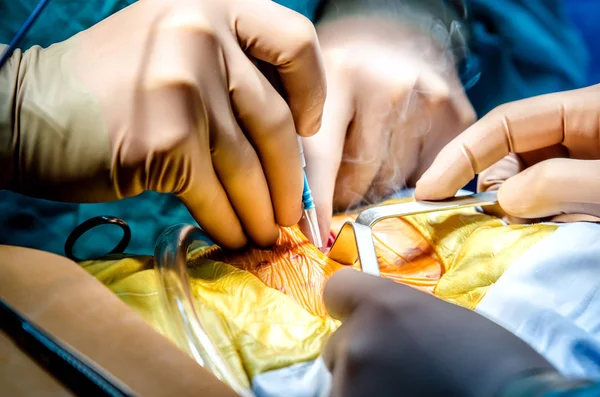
[(310, 212), (171, 256)]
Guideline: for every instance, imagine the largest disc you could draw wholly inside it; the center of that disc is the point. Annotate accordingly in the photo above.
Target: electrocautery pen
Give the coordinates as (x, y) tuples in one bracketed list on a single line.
[(310, 212)]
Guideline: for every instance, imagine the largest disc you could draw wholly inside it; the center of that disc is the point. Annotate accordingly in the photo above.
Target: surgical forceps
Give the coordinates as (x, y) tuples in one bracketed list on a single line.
[(355, 239)]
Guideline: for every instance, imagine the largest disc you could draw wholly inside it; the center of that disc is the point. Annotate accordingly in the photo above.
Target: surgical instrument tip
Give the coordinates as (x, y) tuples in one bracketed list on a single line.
[(310, 212)]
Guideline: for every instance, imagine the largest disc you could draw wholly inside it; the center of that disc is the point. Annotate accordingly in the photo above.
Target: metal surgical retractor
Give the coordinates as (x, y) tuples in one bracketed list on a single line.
[(355, 240)]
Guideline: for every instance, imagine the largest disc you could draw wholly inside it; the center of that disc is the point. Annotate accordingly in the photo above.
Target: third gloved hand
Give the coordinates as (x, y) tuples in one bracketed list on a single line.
[(165, 96), (393, 101), (395, 340), (542, 154)]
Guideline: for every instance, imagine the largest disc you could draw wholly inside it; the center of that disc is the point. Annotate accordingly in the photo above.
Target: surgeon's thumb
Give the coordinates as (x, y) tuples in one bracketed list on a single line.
[(347, 289), (552, 187), (491, 179)]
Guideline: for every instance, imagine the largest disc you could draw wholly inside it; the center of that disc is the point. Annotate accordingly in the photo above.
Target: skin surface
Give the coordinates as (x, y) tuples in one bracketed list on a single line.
[(298, 269), (72, 306)]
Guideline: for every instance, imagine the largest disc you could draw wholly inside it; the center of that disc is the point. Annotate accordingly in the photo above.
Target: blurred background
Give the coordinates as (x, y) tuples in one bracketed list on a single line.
[(585, 15), (526, 47)]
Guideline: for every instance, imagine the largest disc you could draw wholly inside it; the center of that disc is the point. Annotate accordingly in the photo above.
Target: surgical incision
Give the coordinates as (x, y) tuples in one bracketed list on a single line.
[(299, 270)]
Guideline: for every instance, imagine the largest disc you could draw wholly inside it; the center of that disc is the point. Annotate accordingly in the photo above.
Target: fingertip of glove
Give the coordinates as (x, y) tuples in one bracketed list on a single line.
[(310, 126), (267, 239), (237, 245), (518, 205), (425, 190), (290, 217), (340, 277)]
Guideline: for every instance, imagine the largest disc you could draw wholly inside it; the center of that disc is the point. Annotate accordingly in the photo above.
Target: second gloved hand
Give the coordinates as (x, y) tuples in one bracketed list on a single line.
[(542, 154), (395, 340), (165, 96)]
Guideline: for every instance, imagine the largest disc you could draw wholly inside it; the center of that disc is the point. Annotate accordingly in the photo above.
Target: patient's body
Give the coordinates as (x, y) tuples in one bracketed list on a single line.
[(264, 308), (294, 266), (298, 269)]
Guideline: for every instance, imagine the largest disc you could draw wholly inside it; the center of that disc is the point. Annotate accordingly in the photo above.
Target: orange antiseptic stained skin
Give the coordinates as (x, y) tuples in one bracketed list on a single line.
[(404, 255), (293, 266), (298, 269)]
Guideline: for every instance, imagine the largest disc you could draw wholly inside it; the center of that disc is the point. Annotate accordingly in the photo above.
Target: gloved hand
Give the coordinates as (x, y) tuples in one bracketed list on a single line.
[(393, 101), (164, 96), (543, 155), (395, 340)]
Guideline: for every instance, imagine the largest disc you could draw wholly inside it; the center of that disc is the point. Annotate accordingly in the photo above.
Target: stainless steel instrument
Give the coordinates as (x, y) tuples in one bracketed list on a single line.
[(355, 239)]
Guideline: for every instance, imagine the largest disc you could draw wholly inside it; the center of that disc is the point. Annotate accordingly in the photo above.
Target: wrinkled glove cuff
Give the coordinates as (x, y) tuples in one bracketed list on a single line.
[(9, 78)]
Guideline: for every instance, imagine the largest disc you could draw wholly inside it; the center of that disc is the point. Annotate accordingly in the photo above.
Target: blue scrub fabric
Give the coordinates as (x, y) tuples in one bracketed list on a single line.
[(524, 47), (589, 391), (585, 14)]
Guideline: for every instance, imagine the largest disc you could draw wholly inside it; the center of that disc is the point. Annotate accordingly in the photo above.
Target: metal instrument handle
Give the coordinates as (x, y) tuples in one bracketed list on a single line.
[(171, 265)]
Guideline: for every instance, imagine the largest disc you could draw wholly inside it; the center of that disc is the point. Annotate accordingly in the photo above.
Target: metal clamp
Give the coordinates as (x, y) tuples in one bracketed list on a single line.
[(355, 239)]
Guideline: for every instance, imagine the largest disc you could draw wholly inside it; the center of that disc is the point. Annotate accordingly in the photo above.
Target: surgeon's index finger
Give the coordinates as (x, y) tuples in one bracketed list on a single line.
[(287, 40), (516, 127)]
